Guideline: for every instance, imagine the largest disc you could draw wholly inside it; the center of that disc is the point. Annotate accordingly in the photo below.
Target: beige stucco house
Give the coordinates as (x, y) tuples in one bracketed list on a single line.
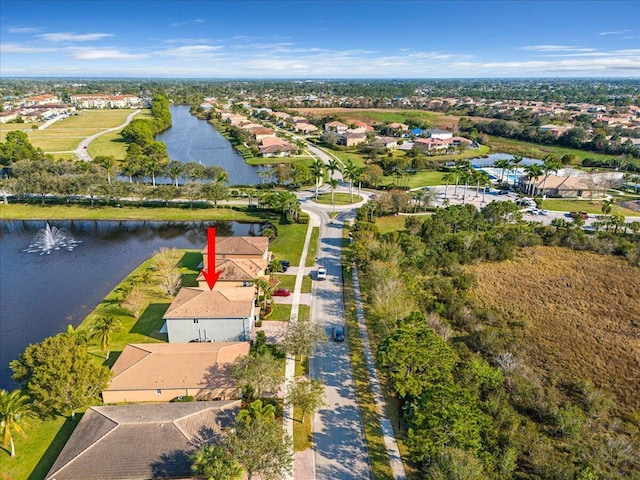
[(160, 372)]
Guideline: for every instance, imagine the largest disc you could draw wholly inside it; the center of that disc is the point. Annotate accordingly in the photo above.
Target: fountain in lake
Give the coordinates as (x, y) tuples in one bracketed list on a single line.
[(51, 238)]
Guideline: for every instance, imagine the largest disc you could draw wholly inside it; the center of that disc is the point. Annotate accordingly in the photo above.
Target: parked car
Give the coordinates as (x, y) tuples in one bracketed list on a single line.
[(544, 212), (285, 264), (321, 274), (503, 192), (282, 292), (338, 334)]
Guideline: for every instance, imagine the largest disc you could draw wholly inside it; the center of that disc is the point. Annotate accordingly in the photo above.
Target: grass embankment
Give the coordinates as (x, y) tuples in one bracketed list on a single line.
[(23, 211), (581, 313), (390, 224), (376, 448), (302, 428), (339, 198)]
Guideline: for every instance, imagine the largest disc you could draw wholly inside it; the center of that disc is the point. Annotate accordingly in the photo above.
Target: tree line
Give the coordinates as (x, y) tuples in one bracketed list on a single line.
[(471, 407)]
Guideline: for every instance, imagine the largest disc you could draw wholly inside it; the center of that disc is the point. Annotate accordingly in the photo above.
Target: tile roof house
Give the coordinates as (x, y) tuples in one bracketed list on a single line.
[(262, 132), (240, 247), (203, 315), (160, 372), (438, 133), (138, 442), (236, 272), (561, 186), (349, 139), (337, 127)]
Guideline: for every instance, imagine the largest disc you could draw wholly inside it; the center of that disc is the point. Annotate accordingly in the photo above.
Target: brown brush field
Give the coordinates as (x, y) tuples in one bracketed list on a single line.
[(580, 311)]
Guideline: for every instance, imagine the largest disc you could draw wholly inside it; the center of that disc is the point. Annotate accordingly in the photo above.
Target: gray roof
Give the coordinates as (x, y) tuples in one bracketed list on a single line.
[(141, 441)]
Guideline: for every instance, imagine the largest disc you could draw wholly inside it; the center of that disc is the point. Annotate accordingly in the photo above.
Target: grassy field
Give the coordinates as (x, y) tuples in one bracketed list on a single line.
[(289, 282), (390, 224), (591, 207), (303, 159), (426, 178), (66, 134), (581, 313), (339, 198), (534, 150), (374, 116)]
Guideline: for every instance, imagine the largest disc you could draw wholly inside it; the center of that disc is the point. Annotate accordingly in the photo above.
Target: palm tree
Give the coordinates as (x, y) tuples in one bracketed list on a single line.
[(102, 328), (466, 175), (333, 183), (482, 179), (503, 165), (350, 173), (263, 286), (447, 177), (317, 170), (517, 159), (550, 164), (214, 463), (108, 162), (14, 407), (607, 206), (174, 170), (333, 167), (533, 172), (257, 411)]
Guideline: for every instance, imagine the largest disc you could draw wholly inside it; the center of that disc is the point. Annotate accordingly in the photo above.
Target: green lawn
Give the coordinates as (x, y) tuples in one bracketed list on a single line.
[(67, 133), (426, 178), (313, 247), (289, 242), (534, 150), (289, 282), (390, 224), (339, 198), (36, 453), (593, 207), (21, 211)]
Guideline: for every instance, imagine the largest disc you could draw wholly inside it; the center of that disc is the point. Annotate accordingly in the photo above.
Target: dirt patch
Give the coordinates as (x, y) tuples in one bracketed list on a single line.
[(581, 311)]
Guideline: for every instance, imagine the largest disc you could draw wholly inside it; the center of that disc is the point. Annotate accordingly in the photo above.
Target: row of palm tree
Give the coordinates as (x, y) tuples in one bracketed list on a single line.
[(463, 173)]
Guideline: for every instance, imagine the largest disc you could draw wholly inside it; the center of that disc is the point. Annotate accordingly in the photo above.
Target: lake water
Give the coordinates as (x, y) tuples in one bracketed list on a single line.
[(193, 140), (41, 294)]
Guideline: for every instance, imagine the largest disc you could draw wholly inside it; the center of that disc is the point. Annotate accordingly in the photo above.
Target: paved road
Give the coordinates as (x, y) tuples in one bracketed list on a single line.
[(339, 445)]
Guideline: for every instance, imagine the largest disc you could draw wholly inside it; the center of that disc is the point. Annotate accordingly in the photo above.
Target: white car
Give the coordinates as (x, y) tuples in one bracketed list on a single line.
[(321, 273)]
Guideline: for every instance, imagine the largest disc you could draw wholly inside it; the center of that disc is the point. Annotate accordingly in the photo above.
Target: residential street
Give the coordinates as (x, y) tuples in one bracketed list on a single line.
[(339, 446)]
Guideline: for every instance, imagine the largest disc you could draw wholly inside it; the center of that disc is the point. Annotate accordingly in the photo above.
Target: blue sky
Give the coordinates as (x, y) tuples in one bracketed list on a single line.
[(320, 39)]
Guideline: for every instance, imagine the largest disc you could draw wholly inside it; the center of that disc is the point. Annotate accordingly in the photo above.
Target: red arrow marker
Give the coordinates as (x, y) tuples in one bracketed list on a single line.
[(210, 274)]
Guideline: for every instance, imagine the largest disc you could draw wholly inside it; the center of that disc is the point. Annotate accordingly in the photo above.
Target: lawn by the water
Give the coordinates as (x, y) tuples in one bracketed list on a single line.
[(339, 198)]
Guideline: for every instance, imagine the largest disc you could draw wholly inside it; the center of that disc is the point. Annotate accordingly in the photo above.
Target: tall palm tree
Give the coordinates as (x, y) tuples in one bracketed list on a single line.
[(549, 164), (607, 205), (447, 177), (517, 159), (262, 285), (102, 328), (14, 407), (350, 173), (333, 166), (317, 170), (333, 183), (174, 170), (533, 172), (214, 463), (502, 165)]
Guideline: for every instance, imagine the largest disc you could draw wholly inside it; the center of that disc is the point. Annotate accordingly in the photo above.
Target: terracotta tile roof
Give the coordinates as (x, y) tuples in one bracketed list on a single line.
[(238, 269), (192, 302), (271, 141), (555, 182), (240, 246), (146, 366), (140, 441)]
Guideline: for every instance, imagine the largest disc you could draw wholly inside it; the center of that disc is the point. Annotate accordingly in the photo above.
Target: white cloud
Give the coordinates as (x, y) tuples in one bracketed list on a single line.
[(15, 48), (528, 67), (73, 37), (104, 54), (191, 51), (555, 48), (186, 23), (615, 32), (22, 30)]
